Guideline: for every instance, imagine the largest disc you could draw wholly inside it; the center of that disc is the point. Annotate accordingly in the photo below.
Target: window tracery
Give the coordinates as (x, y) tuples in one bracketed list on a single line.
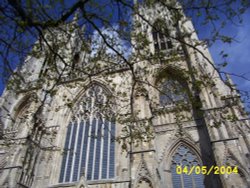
[(172, 92), (89, 148), (184, 156)]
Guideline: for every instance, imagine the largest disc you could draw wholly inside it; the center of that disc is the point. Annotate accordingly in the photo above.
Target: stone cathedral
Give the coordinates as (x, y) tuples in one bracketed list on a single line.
[(82, 133)]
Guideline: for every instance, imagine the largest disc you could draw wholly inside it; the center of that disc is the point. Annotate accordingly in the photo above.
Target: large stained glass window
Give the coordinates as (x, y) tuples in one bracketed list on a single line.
[(185, 157), (89, 148), (172, 92)]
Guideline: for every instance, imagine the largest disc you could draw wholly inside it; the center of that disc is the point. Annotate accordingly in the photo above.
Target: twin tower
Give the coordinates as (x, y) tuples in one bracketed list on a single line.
[(160, 118)]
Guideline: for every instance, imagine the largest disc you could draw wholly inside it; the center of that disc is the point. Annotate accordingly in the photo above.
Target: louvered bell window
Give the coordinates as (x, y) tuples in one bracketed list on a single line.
[(161, 37)]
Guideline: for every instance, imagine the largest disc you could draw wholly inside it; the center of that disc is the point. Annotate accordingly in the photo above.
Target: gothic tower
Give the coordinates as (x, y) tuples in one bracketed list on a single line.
[(123, 127)]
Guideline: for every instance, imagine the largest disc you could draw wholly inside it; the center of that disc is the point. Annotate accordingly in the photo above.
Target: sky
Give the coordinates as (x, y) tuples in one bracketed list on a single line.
[(239, 51)]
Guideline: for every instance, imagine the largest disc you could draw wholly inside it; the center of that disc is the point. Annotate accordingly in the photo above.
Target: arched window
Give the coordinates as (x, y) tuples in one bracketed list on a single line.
[(89, 148), (172, 91), (185, 157), (161, 37), (144, 183)]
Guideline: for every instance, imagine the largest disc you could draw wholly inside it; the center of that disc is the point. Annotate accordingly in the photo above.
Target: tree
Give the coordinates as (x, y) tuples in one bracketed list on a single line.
[(58, 33), (33, 25)]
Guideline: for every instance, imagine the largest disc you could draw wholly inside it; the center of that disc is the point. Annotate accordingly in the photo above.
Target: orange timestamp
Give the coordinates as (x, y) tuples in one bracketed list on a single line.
[(205, 170)]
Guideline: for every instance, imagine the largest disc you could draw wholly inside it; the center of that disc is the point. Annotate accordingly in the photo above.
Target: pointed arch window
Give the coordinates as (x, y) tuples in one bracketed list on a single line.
[(184, 156), (144, 183), (172, 92), (161, 37), (89, 148)]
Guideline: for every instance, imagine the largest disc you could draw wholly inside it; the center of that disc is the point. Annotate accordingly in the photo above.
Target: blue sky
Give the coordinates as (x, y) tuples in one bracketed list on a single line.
[(238, 51)]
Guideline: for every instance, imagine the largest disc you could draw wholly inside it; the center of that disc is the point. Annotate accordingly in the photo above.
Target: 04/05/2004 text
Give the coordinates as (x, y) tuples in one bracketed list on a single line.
[(206, 170)]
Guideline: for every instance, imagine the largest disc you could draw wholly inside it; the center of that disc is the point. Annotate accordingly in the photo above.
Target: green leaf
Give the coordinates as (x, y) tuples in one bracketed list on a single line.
[(226, 39)]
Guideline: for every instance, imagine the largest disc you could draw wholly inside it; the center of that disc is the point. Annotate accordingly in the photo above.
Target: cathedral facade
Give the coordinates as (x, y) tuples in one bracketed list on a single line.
[(131, 125)]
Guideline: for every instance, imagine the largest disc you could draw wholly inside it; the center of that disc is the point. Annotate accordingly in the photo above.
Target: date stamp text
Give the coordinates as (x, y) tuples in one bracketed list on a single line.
[(206, 170)]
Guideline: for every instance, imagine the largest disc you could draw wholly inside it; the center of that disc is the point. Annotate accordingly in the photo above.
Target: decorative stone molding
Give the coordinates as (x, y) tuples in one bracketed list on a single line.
[(82, 183), (173, 140), (143, 174)]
